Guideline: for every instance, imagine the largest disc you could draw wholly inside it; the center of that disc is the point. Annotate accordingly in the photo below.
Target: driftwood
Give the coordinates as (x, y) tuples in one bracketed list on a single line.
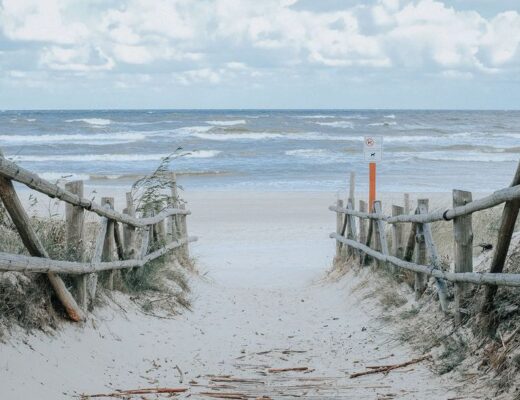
[(224, 395), (476, 278), (122, 393), (387, 368), (278, 370), (31, 241), (12, 171)]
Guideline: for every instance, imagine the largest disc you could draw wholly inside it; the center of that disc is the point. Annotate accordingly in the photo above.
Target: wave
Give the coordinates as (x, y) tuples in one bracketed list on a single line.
[(166, 121), (91, 121), (466, 157), (317, 116), (113, 157), (228, 122), (239, 136), (391, 116), (382, 123), (319, 155), (189, 130), (93, 138), (337, 124), (58, 176)]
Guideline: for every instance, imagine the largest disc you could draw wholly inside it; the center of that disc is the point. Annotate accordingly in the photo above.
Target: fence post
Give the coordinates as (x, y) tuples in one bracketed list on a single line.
[(184, 229), (352, 231), (352, 188), (381, 241), (160, 228), (420, 255), (339, 229), (109, 245), (129, 233), (434, 260), (31, 241), (407, 203), (74, 238), (362, 227), (507, 227), (463, 248), (96, 257), (397, 233)]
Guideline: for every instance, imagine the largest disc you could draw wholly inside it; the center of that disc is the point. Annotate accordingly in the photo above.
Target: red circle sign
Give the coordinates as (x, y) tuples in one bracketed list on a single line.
[(370, 142)]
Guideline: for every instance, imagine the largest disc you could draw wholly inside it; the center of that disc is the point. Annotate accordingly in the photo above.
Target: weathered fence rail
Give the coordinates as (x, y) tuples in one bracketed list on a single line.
[(421, 244), (113, 250)]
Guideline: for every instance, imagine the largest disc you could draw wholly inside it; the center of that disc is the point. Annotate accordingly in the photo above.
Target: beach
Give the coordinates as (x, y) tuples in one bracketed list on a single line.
[(261, 301)]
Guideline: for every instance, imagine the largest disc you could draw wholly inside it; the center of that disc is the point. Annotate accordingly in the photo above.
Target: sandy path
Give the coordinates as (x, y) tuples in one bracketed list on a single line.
[(261, 308)]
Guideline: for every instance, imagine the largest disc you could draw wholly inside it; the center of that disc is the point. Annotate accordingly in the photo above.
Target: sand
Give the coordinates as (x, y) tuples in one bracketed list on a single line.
[(262, 304)]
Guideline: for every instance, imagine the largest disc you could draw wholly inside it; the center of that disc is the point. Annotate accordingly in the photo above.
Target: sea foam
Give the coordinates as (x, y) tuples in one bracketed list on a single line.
[(91, 121), (228, 122)]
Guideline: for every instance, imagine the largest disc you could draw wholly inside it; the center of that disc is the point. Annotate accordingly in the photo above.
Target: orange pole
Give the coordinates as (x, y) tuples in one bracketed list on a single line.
[(372, 186)]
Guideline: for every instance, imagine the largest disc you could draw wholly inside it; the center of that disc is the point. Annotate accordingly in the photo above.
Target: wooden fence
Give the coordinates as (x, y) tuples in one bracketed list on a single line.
[(417, 252), (114, 250)]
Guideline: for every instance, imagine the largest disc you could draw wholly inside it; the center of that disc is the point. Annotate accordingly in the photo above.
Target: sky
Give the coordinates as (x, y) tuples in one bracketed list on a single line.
[(395, 54)]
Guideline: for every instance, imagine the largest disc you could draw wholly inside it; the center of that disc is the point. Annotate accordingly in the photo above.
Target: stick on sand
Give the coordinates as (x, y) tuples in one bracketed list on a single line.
[(388, 368)]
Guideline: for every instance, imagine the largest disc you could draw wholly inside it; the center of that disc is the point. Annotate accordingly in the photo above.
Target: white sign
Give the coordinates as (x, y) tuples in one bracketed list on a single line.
[(373, 148)]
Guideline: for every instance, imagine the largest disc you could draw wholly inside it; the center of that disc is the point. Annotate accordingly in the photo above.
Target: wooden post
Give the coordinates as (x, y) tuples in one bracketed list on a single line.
[(362, 222), (434, 260), (463, 248), (339, 229), (129, 233), (31, 241), (74, 218), (407, 208), (160, 227), (352, 189), (420, 255), (362, 227), (410, 243), (352, 231), (184, 230), (109, 245), (118, 240), (371, 224), (381, 240), (505, 232), (397, 233), (97, 257)]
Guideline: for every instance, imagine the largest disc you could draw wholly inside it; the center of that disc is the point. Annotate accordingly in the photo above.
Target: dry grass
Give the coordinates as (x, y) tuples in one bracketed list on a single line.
[(493, 362), (27, 301)]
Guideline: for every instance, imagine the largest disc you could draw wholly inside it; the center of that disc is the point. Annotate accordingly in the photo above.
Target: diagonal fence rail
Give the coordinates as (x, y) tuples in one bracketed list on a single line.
[(417, 252), (113, 250)]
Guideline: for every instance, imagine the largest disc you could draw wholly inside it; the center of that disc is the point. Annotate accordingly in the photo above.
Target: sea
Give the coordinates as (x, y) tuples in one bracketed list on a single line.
[(269, 150)]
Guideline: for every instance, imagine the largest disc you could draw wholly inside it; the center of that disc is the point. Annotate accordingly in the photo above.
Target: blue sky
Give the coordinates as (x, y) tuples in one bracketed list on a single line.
[(259, 54)]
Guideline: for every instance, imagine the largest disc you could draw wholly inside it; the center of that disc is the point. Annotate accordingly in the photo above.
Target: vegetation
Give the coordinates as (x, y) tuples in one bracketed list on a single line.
[(26, 300)]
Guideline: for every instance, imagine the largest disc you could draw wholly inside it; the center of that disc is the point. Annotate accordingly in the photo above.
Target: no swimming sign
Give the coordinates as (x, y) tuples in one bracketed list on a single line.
[(373, 148)]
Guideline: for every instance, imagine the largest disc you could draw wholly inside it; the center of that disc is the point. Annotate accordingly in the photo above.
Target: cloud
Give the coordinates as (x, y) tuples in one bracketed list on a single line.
[(215, 41), (77, 59)]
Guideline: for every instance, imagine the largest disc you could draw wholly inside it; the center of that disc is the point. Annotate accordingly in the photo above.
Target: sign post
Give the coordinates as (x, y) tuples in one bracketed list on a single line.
[(373, 152)]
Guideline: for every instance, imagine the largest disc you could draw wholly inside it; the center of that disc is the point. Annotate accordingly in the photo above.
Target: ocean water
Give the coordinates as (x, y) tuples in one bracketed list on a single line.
[(314, 150)]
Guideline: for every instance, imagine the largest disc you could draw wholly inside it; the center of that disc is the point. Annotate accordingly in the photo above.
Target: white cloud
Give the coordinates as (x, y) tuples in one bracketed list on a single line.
[(41, 21), (214, 40), (77, 59)]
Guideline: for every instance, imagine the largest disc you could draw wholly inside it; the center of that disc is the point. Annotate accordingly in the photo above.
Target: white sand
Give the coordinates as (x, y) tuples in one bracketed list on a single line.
[(264, 254)]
